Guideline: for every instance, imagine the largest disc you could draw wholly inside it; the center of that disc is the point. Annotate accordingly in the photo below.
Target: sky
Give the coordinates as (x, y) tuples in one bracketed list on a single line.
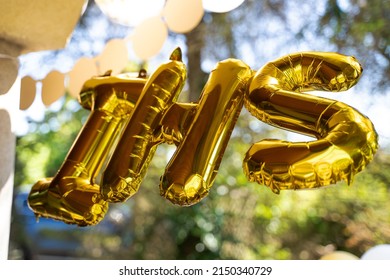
[(373, 106)]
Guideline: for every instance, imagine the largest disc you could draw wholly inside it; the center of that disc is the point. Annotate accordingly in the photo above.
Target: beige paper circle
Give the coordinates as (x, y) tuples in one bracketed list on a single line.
[(27, 92), (339, 255), (183, 16), (149, 37), (53, 87), (84, 69), (114, 57), (9, 71)]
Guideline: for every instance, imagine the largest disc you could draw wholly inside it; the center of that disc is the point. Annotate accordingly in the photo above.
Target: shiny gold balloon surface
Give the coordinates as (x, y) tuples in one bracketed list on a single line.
[(137, 145), (131, 116), (346, 141), (192, 169), (72, 195)]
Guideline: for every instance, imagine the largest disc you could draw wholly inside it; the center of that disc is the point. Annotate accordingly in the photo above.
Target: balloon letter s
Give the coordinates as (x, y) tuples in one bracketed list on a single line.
[(346, 141)]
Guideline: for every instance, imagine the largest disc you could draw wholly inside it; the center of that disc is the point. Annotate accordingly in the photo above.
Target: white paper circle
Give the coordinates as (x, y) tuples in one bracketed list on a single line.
[(130, 12), (379, 252), (221, 6)]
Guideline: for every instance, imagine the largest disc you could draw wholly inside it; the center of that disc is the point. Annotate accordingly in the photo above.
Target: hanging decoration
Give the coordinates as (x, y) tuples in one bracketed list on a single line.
[(149, 37), (183, 16), (131, 116), (130, 12), (377, 252), (53, 87), (113, 57), (221, 6), (151, 21), (346, 138), (339, 255), (27, 92), (72, 195)]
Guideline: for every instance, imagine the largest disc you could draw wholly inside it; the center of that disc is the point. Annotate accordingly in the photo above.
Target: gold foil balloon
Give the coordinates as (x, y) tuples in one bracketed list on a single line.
[(177, 121), (137, 144), (346, 141), (192, 169), (72, 195), (131, 116)]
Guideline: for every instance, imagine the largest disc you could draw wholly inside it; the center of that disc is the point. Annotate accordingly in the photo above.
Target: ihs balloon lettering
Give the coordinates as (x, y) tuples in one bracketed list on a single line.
[(131, 116)]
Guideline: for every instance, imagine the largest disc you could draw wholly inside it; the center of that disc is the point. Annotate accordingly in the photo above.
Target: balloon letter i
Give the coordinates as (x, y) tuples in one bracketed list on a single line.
[(72, 196)]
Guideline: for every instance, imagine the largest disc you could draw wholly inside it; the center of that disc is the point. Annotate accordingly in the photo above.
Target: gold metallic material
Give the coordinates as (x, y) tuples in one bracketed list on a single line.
[(346, 141), (192, 169), (137, 145), (72, 195), (131, 116)]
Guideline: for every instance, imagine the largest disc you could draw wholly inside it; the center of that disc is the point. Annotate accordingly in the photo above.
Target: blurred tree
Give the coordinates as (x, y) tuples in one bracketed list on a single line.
[(224, 35), (361, 26), (258, 31)]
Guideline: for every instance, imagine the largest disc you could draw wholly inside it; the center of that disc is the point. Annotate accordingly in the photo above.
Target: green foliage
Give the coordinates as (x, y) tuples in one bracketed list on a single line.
[(240, 219), (361, 27)]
